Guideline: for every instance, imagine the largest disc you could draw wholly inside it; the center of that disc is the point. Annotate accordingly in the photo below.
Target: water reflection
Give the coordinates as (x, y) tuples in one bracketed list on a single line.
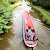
[(4, 43)]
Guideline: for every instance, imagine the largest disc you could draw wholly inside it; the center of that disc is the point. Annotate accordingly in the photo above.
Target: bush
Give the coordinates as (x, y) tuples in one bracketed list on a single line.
[(43, 13), (13, 1), (43, 3), (5, 17), (44, 18)]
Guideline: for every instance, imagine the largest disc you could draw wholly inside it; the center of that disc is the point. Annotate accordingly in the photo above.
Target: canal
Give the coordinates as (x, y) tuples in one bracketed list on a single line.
[(14, 41)]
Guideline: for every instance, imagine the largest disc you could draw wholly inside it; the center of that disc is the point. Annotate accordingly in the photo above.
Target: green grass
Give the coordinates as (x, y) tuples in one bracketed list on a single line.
[(44, 13), (13, 6)]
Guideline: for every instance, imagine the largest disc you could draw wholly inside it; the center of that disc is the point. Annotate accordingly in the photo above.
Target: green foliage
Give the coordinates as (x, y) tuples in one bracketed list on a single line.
[(5, 17), (44, 18), (6, 7), (43, 3), (44, 14), (13, 1)]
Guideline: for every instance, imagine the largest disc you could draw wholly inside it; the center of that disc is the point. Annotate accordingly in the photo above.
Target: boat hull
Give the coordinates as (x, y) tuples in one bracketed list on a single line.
[(28, 23)]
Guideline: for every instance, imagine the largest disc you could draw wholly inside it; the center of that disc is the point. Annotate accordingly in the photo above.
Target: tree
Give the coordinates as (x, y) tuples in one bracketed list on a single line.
[(44, 3)]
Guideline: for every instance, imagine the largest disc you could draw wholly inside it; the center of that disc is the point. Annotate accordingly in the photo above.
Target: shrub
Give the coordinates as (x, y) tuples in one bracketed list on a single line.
[(43, 13), (44, 18), (5, 17), (44, 3), (13, 1)]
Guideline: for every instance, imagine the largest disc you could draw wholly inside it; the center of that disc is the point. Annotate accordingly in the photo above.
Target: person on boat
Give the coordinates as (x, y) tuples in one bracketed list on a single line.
[(30, 34), (34, 38), (27, 35), (29, 31)]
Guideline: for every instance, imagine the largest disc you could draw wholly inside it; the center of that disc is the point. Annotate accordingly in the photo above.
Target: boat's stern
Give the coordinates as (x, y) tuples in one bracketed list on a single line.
[(31, 43)]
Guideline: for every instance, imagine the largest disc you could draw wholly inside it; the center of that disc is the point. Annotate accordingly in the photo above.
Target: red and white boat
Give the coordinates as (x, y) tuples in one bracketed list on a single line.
[(27, 24)]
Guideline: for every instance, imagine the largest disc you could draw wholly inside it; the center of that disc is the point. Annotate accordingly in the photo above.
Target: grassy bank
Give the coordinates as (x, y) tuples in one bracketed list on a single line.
[(12, 6), (44, 14)]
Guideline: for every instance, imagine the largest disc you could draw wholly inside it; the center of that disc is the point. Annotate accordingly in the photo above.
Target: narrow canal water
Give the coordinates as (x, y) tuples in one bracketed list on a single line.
[(14, 41), (35, 14)]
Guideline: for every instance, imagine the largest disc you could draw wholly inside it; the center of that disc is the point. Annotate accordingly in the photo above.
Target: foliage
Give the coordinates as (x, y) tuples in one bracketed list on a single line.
[(6, 7), (44, 14), (12, 1), (5, 17), (43, 3)]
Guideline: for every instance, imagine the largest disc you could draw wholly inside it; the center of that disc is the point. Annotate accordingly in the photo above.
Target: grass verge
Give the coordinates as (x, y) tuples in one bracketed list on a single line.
[(44, 14)]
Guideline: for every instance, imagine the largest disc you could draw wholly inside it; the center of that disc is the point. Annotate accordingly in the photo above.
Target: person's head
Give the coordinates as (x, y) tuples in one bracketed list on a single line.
[(27, 30), (34, 37), (29, 27), (33, 30)]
